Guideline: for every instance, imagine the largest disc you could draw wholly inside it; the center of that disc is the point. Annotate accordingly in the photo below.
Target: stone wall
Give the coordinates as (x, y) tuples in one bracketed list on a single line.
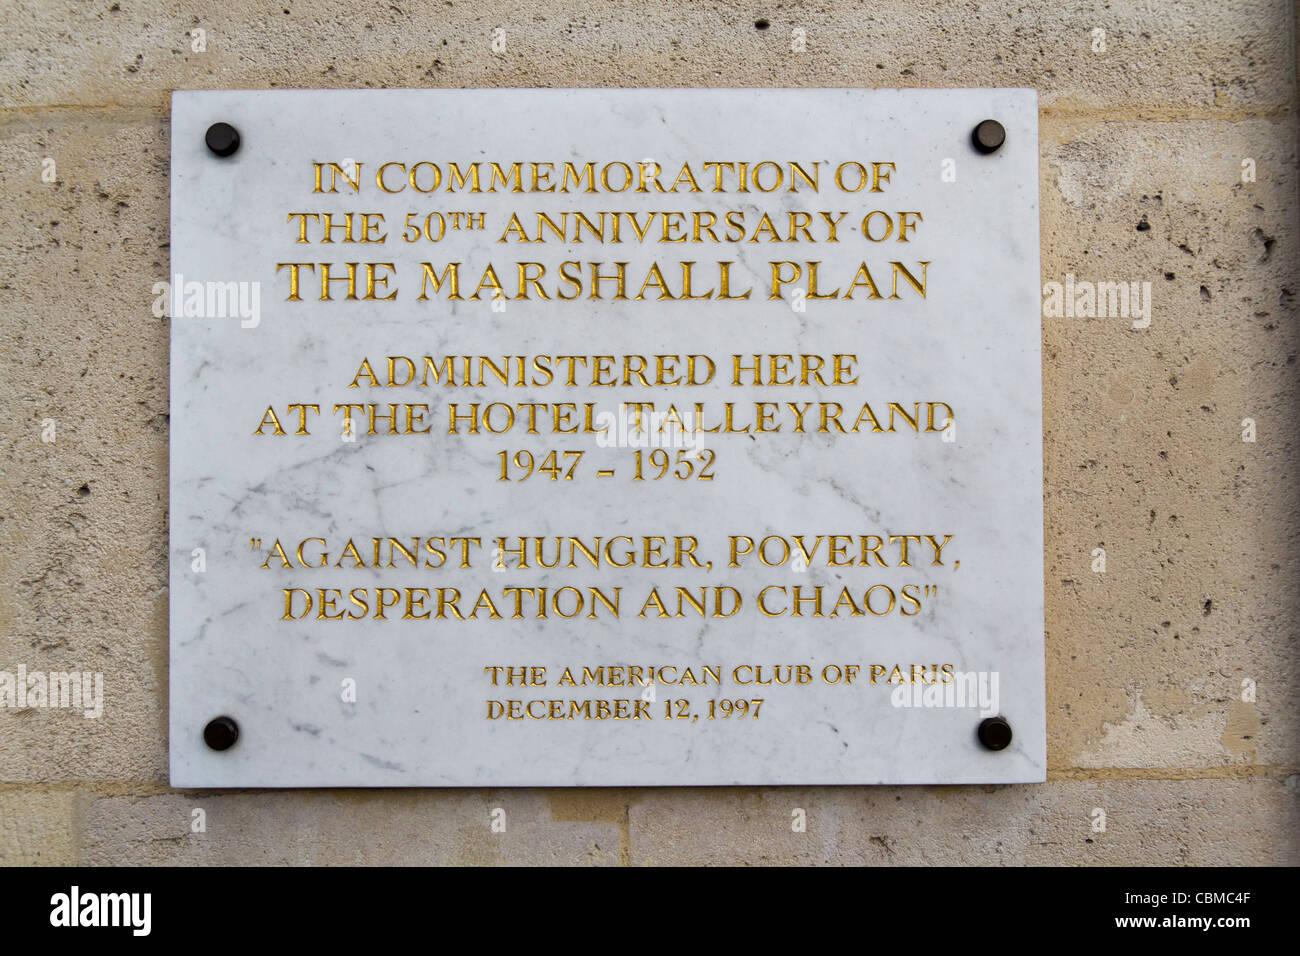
[(1168, 155)]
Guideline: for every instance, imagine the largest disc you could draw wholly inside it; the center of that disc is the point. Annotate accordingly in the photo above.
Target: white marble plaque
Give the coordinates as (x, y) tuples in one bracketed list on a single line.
[(605, 437)]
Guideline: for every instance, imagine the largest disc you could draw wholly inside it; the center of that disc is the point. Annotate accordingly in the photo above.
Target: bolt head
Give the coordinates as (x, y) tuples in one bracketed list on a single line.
[(221, 733), (988, 136), (222, 139), (995, 733)]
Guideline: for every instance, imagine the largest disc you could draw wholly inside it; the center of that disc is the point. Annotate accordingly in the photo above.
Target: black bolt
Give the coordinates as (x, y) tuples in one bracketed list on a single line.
[(995, 733), (988, 136), (222, 139), (221, 733)]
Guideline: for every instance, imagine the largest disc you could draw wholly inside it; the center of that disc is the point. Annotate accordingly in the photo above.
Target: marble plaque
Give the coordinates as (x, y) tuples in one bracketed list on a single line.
[(605, 437)]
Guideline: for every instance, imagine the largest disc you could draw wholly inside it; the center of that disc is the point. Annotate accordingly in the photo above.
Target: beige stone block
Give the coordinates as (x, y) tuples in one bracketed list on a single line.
[(1143, 450), (1148, 822), (344, 827), (83, 545), (38, 828), (1160, 58)]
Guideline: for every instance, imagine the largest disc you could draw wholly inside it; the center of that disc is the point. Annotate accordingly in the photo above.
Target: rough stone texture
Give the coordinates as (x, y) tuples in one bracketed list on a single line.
[(389, 827), (1147, 823), (83, 537), (1143, 452), (38, 828), (1158, 56), (1141, 180)]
